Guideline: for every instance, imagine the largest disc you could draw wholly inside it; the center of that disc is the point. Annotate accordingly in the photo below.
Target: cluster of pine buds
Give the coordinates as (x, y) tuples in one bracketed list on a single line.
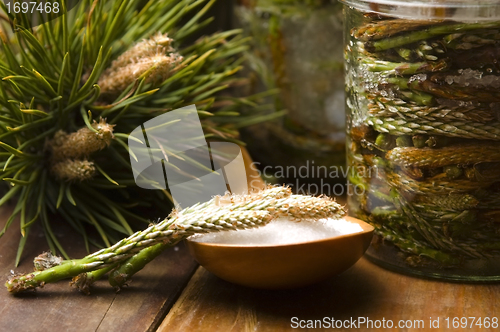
[(154, 55), (69, 152)]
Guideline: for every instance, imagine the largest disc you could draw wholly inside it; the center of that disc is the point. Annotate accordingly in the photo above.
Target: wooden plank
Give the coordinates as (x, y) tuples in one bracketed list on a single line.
[(152, 293), (57, 307), (366, 290)]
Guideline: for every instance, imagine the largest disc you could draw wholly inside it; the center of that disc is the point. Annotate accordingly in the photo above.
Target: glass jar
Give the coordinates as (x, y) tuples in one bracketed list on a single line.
[(297, 50), (423, 132)]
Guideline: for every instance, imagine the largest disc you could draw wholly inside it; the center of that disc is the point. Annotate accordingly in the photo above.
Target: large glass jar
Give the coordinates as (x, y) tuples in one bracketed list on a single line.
[(297, 50), (423, 127)]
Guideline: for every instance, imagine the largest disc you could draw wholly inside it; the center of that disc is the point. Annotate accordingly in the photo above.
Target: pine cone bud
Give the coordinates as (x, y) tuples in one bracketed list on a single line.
[(74, 170), (154, 52), (81, 143), (158, 44), (113, 82)]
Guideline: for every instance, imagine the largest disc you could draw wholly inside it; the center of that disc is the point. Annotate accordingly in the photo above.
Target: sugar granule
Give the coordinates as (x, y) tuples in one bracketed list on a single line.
[(283, 231)]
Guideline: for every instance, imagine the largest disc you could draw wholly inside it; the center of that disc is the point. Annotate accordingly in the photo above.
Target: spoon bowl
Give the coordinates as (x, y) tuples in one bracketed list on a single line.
[(286, 265)]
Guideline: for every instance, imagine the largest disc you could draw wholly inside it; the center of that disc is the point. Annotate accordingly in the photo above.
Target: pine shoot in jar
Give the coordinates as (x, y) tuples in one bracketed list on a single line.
[(423, 116)]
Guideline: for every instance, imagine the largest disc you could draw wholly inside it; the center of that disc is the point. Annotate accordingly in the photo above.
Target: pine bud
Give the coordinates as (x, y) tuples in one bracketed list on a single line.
[(82, 282), (81, 143), (154, 54), (46, 261), (114, 82), (74, 170), (158, 44)]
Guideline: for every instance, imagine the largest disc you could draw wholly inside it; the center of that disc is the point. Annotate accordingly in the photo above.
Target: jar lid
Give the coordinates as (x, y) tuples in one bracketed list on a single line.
[(458, 10)]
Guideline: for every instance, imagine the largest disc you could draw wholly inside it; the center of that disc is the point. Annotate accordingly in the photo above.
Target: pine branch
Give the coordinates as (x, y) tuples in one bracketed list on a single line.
[(57, 78), (221, 213)]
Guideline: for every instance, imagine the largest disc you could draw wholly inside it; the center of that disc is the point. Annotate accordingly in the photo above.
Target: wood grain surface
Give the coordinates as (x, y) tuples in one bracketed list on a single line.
[(58, 307), (203, 302), (366, 290)]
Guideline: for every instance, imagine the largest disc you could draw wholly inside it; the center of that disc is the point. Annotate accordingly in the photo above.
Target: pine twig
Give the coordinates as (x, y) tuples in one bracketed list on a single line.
[(222, 213)]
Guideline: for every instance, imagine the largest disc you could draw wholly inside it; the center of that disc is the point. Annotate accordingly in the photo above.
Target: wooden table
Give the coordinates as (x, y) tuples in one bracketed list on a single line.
[(174, 294)]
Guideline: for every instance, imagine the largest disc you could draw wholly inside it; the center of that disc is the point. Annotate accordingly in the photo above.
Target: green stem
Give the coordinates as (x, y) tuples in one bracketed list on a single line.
[(134, 264), (83, 281), (430, 32)]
